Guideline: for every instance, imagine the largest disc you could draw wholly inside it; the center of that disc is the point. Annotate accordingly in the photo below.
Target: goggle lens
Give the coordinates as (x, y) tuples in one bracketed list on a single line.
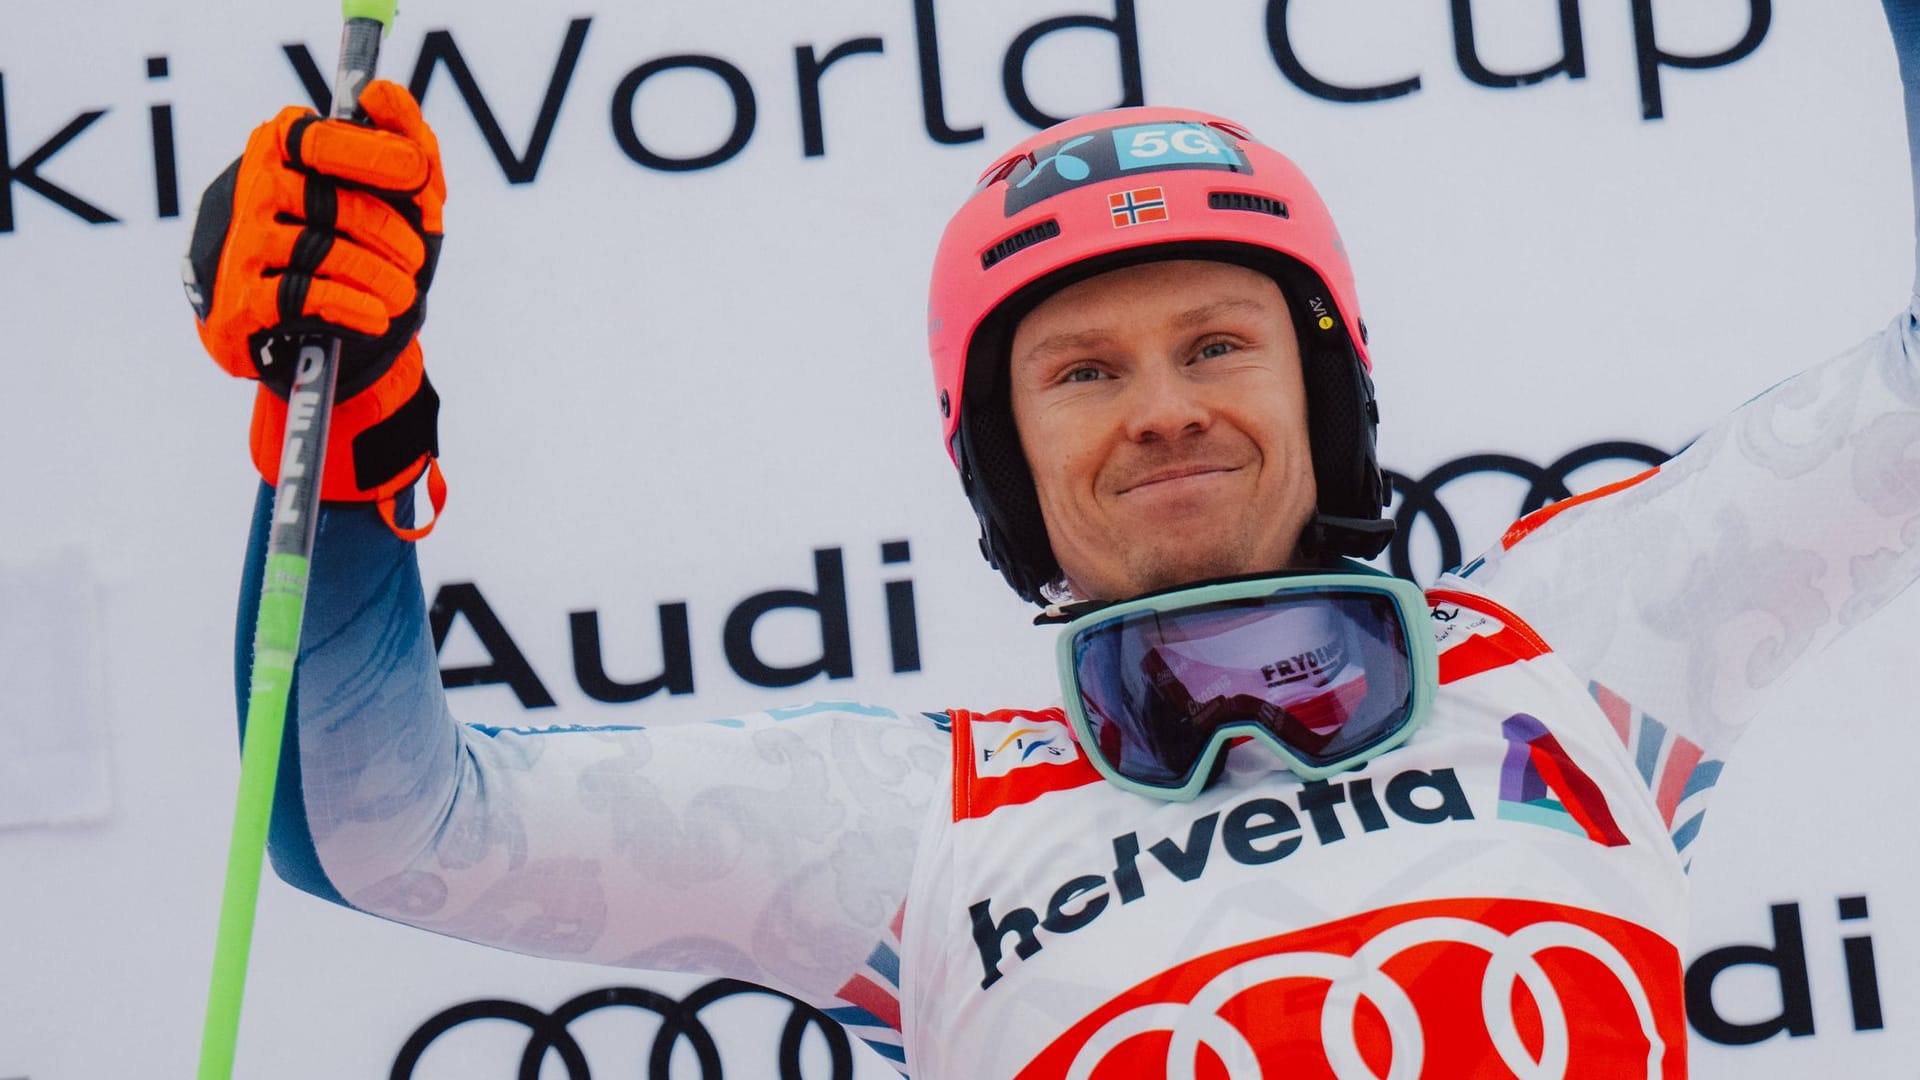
[(1327, 673)]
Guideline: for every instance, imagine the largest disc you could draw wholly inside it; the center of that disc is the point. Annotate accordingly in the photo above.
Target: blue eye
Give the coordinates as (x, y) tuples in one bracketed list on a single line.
[(1215, 348), (1083, 374)]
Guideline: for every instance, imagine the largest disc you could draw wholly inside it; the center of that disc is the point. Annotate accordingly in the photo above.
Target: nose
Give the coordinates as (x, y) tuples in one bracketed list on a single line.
[(1164, 404)]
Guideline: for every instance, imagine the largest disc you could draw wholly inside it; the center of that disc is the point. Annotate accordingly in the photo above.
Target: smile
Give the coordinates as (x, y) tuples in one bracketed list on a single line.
[(1175, 475)]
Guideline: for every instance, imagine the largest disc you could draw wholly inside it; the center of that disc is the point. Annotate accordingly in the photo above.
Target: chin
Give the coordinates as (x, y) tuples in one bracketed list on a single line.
[(1153, 571)]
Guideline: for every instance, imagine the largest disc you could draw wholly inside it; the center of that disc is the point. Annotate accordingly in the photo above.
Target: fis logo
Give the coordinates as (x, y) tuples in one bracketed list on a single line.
[(1004, 746)]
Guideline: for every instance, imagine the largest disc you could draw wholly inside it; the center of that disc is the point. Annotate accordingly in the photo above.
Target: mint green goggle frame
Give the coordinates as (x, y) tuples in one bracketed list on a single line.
[(1415, 644)]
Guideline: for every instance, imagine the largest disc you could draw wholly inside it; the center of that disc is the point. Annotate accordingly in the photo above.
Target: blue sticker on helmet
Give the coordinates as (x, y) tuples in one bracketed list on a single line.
[(1119, 152), (1156, 146), (1061, 159)]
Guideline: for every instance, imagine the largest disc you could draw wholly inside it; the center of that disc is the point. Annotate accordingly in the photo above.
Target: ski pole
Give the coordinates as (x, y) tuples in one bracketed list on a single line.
[(283, 597)]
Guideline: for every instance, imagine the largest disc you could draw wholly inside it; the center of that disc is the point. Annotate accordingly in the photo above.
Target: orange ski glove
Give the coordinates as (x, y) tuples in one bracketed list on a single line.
[(328, 228)]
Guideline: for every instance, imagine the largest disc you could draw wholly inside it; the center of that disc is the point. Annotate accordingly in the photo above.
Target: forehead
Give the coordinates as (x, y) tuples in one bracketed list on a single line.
[(1173, 294)]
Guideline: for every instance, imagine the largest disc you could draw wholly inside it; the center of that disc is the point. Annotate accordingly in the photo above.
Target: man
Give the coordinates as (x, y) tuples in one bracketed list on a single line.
[(1285, 824)]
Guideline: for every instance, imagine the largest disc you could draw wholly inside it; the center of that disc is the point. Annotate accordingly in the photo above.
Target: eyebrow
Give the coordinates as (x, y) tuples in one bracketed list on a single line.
[(1067, 342), (1205, 313), (1083, 340)]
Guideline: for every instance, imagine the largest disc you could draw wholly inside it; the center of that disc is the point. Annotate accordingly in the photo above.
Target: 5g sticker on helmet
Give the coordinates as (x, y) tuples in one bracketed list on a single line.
[(1104, 155), (1153, 146)]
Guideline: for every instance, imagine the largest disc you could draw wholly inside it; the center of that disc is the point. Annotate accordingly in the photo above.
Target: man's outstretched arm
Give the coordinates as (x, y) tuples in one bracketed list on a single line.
[(774, 848), (1686, 594)]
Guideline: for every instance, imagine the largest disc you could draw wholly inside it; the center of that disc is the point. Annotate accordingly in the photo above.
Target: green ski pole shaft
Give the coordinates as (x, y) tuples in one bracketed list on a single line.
[(283, 597)]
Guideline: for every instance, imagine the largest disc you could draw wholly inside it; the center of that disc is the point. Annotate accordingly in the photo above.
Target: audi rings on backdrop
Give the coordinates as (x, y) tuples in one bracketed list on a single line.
[(679, 1019), (1420, 500)]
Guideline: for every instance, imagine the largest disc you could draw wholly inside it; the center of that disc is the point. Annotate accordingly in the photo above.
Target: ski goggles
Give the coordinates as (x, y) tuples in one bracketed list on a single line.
[(1327, 670)]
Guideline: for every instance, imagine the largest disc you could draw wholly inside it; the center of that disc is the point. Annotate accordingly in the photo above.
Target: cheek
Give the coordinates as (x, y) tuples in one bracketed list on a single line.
[(1287, 452), (1079, 466), (1061, 457), (1062, 486), (1301, 476), (1284, 428)]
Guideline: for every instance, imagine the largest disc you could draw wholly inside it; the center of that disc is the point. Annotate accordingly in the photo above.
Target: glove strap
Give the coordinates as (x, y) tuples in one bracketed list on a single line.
[(379, 441)]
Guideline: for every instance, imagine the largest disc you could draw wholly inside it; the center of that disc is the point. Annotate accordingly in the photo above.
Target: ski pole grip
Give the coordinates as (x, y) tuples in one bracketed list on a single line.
[(365, 23)]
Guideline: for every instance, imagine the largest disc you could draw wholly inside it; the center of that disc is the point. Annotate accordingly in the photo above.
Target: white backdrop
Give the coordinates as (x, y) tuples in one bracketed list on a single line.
[(673, 386)]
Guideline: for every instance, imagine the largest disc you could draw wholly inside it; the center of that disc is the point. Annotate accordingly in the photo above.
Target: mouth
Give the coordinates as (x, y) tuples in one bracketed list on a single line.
[(1165, 479)]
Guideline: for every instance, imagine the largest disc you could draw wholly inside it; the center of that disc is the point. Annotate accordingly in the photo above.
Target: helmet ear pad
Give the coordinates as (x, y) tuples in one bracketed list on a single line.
[(993, 464), (1341, 419)]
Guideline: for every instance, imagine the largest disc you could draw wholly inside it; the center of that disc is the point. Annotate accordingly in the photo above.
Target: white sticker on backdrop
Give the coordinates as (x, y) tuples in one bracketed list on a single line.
[(54, 763)]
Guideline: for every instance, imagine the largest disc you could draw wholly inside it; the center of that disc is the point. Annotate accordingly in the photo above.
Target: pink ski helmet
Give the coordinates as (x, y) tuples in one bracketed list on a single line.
[(1115, 189)]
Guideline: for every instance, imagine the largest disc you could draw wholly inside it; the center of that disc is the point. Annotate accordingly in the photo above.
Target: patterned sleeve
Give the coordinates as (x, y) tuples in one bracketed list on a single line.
[(774, 848), (1685, 593)]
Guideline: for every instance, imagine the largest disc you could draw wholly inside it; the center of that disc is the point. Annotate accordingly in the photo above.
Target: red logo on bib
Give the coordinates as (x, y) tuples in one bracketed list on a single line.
[(1440, 990)]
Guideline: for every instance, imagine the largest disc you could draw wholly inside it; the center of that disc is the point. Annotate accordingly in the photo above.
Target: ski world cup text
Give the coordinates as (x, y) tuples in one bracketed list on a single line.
[(1295, 36)]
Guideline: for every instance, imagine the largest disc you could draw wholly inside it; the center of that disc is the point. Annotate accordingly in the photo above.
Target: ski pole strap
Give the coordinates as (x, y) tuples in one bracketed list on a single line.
[(436, 493)]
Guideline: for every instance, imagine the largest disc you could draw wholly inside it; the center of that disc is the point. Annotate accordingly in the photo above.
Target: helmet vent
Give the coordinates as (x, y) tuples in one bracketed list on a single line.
[(1238, 200), (1025, 238)]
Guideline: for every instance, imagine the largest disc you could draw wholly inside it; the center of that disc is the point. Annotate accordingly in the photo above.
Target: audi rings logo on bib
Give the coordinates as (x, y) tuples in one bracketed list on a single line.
[(1451, 988)]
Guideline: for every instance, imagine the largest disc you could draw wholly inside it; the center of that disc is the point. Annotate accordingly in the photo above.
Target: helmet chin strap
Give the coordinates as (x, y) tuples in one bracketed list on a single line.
[(1328, 535)]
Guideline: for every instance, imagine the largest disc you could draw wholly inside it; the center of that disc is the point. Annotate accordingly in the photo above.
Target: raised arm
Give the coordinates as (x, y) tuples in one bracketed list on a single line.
[(775, 848), (1686, 593)]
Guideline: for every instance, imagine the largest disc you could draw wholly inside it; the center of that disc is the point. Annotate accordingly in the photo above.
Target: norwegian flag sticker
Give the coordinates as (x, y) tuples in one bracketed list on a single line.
[(1138, 206)]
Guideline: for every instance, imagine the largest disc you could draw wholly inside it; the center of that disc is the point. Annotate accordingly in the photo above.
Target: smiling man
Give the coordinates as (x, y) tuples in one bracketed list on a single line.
[(1294, 817)]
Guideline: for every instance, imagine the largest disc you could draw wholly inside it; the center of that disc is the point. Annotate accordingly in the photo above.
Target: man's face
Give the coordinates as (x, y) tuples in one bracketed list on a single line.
[(1162, 413)]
